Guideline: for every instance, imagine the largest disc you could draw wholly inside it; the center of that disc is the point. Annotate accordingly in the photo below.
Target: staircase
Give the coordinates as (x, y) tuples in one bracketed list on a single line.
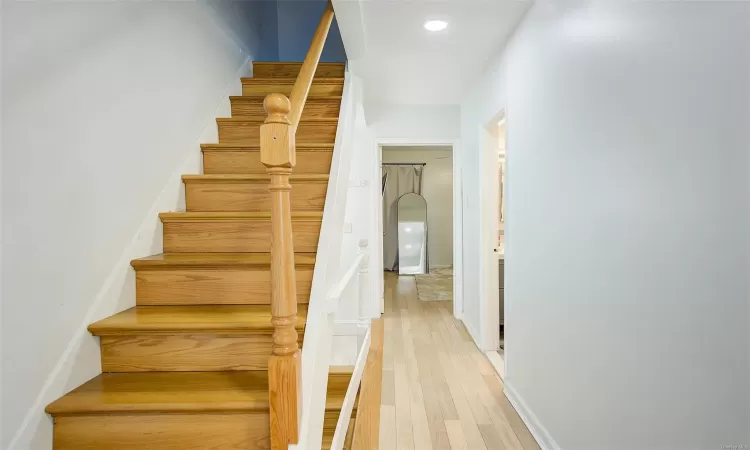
[(188, 366)]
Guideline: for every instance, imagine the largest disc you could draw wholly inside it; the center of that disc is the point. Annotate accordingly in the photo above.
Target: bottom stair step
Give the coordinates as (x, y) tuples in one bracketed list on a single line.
[(171, 411)]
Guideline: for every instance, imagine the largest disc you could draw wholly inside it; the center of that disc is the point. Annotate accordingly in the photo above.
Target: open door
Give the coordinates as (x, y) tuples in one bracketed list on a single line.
[(492, 294)]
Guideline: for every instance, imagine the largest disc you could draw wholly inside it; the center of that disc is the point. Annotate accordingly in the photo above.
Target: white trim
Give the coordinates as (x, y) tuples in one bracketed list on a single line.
[(334, 297), (473, 334), (351, 394), (316, 353), (377, 228), (497, 361), (489, 212), (458, 294), (540, 433)]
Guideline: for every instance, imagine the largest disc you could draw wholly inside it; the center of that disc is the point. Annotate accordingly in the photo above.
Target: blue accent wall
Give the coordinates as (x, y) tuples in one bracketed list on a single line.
[(268, 29), (297, 20), (286, 28)]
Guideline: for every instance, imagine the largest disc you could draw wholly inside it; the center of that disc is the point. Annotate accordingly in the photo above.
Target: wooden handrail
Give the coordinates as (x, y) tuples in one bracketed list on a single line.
[(367, 422), (278, 154), (301, 87)]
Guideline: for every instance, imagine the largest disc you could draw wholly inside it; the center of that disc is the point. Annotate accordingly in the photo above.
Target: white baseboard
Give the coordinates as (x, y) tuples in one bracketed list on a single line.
[(532, 422), (473, 333), (498, 362), (81, 359)]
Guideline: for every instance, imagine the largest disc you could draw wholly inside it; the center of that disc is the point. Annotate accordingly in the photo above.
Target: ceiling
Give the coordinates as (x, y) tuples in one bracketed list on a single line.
[(402, 63)]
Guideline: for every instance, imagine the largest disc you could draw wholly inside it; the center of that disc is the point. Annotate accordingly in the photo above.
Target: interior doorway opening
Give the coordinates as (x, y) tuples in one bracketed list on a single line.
[(418, 217), (493, 238)]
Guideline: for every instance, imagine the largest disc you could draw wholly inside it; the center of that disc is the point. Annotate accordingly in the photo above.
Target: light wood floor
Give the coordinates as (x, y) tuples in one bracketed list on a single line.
[(439, 390)]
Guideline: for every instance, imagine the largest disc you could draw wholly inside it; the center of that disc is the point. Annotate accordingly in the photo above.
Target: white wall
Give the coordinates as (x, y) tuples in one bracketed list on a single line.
[(437, 189), (104, 107), (627, 249), (419, 123)]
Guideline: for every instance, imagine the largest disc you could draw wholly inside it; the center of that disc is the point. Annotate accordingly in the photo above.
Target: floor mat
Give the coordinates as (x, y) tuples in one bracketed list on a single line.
[(436, 286)]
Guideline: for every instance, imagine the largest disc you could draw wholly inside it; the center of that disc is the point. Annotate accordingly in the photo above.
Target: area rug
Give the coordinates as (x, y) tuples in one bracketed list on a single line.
[(436, 286)]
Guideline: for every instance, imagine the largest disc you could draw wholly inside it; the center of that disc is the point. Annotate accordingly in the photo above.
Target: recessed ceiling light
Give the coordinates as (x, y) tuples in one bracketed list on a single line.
[(436, 25)]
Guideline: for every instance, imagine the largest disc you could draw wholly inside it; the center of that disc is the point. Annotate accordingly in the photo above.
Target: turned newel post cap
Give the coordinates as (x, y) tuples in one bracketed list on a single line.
[(277, 106)]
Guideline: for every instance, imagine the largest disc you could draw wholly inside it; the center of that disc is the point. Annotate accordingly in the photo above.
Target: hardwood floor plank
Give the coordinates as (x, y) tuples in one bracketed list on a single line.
[(466, 417), (446, 394), (435, 420), (491, 406), (389, 388), (456, 435), (439, 385), (404, 432), (491, 438), (480, 359), (388, 427), (519, 428), (418, 412), (471, 392), (388, 344)]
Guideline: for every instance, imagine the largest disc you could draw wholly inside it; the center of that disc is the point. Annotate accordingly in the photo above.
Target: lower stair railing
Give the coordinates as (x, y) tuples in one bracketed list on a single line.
[(298, 380), (329, 289)]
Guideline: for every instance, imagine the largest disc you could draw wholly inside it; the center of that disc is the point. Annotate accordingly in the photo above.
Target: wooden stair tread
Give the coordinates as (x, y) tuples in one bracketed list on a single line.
[(261, 120), (206, 319), (178, 392), (211, 216), (260, 98), (290, 80), (253, 177), (325, 146), (299, 63), (216, 259)]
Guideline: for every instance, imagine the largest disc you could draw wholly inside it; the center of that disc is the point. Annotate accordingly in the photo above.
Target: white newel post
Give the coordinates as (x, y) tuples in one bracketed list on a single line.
[(362, 301)]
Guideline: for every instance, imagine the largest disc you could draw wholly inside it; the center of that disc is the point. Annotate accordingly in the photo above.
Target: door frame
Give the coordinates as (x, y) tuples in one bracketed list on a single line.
[(458, 304), (489, 226)]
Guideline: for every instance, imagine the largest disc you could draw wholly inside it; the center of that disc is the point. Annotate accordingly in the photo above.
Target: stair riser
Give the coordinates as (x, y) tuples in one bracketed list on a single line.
[(291, 70), (185, 353), (212, 286), (201, 196), (215, 431), (328, 436), (249, 132), (317, 88), (235, 236), (248, 162), (314, 108)]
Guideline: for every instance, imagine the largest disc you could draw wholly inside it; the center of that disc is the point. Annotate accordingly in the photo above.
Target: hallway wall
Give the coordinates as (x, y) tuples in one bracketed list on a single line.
[(104, 105), (627, 243)]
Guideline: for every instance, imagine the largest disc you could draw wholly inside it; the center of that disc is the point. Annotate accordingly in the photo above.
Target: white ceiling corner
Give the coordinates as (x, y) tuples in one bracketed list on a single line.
[(402, 63)]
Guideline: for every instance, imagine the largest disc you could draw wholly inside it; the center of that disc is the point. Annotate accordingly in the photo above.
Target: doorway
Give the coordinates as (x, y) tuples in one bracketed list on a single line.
[(493, 239), (426, 171)]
